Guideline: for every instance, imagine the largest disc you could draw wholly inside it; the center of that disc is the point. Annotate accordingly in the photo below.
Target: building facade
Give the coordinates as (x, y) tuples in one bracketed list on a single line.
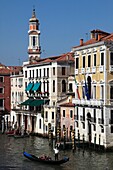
[(94, 76)]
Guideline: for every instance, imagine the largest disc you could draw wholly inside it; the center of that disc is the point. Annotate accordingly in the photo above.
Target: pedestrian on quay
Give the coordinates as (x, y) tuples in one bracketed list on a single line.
[(56, 153)]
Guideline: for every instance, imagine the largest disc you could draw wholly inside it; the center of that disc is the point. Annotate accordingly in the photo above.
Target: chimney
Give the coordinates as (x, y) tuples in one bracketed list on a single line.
[(81, 41), (92, 34)]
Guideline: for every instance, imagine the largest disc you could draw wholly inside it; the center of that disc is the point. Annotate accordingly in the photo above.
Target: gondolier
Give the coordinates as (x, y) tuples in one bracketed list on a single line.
[(56, 153)]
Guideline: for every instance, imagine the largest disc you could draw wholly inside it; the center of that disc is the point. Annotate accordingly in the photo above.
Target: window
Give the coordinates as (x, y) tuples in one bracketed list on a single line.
[(89, 60), (102, 116), (63, 113), (83, 125), (83, 61), (53, 85), (63, 70), (77, 63), (44, 72), (30, 73), (1, 90), (40, 72), (33, 73), (53, 70), (25, 74), (94, 92), (63, 86), (111, 116), (94, 128), (20, 82), (47, 72), (33, 41), (1, 102), (83, 114), (111, 129), (111, 92), (83, 92), (94, 115), (37, 73), (16, 82), (94, 59), (52, 115), (102, 92), (1, 79), (70, 87), (63, 127), (71, 113), (77, 112), (39, 123), (111, 58), (102, 59), (46, 114)]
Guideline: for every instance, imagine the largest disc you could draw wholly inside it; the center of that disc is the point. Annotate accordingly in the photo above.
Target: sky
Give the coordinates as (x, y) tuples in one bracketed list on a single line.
[(62, 24)]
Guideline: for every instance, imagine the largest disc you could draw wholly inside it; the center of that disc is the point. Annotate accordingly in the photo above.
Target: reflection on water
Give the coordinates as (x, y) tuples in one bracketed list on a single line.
[(11, 156)]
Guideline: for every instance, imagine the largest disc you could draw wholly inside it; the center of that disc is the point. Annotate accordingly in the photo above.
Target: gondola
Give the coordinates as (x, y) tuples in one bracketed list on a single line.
[(46, 160)]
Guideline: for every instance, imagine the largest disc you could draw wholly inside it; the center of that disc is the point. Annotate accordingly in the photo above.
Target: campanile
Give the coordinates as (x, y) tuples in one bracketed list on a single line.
[(34, 49)]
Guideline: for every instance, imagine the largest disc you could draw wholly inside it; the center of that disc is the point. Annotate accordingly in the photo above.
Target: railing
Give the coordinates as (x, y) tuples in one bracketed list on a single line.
[(82, 118), (87, 102), (111, 68), (100, 121)]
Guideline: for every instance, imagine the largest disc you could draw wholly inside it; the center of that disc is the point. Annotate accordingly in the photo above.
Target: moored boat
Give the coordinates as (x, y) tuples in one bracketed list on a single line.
[(11, 132), (46, 160)]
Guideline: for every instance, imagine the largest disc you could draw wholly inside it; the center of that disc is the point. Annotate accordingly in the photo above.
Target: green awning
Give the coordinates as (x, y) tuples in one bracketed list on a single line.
[(36, 86), (29, 87), (38, 102), (27, 102)]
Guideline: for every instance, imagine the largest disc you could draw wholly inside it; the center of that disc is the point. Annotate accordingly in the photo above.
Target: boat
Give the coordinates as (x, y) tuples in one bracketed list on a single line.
[(46, 160), (11, 132), (21, 136)]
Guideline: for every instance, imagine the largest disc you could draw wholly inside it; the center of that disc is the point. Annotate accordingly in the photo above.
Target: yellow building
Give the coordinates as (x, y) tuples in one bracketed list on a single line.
[(94, 80)]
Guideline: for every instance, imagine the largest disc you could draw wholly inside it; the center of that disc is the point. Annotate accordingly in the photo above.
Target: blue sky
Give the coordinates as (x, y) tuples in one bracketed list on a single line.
[(62, 24)]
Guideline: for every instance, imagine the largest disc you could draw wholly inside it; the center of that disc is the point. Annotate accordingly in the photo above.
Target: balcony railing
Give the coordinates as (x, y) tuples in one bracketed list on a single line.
[(82, 118), (87, 102), (93, 119), (101, 68), (111, 68), (75, 117), (100, 121)]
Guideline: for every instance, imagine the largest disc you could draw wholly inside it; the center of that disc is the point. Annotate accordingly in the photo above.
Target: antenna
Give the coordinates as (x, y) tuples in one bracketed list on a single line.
[(19, 61), (86, 36)]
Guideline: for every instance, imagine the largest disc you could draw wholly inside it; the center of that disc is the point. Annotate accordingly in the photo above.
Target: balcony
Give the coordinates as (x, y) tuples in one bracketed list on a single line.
[(93, 119), (76, 71), (46, 119), (111, 68), (88, 70), (52, 121), (100, 121), (87, 102), (82, 119), (75, 117), (101, 68), (82, 70), (93, 69)]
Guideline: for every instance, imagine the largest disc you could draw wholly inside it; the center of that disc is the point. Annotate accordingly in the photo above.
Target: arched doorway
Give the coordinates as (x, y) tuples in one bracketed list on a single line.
[(89, 126)]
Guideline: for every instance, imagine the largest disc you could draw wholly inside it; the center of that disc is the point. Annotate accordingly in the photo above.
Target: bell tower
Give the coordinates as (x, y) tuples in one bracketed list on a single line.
[(34, 49)]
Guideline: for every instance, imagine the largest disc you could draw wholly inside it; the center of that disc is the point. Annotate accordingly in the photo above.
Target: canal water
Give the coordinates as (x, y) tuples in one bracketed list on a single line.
[(11, 156)]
